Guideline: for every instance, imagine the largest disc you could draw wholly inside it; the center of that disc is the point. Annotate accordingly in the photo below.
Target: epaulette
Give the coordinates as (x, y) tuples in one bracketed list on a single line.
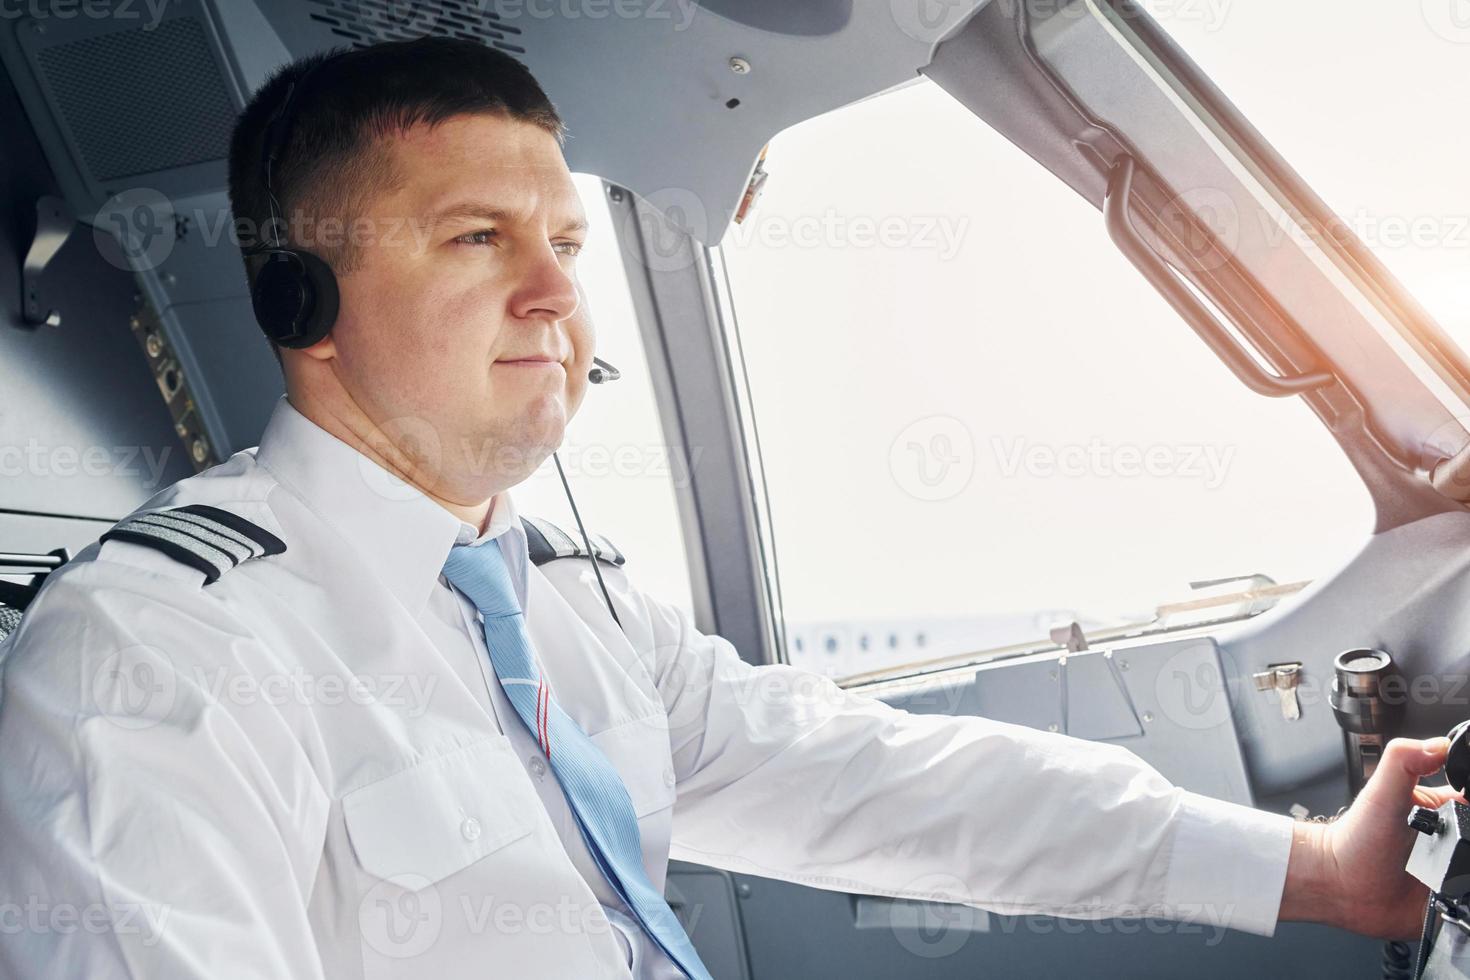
[(547, 542), (202, 537)]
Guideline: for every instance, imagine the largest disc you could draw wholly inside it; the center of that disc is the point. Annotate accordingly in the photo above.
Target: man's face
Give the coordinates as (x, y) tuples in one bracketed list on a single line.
[(461, 333)]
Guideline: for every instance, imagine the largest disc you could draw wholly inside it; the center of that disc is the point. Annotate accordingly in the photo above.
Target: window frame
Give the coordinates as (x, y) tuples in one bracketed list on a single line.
[(683, 310)]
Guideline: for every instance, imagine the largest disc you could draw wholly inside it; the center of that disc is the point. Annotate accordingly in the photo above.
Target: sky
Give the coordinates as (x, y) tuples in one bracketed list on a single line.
[(970, 405)]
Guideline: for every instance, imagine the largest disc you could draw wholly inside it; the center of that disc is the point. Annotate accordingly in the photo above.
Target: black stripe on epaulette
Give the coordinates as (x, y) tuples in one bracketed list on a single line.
[(205, 538), (547, 542)]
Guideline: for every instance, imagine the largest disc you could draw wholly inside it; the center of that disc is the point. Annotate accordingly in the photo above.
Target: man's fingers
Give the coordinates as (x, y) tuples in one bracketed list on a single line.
[(1404, 761), (1435, 797), (1414, 757)]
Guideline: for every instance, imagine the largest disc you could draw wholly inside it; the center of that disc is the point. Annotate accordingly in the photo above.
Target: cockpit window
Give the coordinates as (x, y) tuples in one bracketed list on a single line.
[(978, 422), (1397, 175)]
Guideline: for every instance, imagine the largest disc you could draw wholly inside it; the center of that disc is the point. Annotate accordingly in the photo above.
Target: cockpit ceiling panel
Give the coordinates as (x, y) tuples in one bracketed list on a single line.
[(671, 98)]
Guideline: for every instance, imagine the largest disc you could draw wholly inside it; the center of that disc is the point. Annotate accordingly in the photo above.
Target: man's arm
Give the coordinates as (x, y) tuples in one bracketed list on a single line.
[(783, 774), (149, 827)]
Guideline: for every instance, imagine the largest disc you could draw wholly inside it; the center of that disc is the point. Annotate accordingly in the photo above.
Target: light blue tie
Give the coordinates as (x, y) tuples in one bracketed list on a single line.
[(597, 796)]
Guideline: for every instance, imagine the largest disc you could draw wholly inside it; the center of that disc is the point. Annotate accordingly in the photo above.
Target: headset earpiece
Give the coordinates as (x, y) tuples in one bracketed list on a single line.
[(294, 294)]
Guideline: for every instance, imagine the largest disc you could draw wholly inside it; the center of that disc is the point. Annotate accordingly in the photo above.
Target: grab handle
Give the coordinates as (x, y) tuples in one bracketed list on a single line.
[(1186, 303)]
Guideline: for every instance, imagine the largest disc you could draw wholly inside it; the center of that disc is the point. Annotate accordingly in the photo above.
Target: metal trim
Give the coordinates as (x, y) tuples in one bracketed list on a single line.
[(675, 297)]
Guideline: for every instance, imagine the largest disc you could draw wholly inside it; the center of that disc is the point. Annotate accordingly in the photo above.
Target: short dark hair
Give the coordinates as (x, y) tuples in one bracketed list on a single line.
[(333, 160)]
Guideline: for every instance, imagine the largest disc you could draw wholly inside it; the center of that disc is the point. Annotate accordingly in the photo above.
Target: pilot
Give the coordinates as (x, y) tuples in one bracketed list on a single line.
[(334, 708)]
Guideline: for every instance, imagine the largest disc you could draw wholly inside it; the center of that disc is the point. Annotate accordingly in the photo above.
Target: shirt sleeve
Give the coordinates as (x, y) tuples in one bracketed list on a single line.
[(151, 827), (783, 774)]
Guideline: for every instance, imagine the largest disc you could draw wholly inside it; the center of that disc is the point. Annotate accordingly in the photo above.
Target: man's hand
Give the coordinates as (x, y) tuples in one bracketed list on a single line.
[(1350, 873)]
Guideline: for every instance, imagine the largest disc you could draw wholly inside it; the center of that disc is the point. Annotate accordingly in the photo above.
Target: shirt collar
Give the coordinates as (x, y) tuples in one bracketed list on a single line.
[(403, 535)]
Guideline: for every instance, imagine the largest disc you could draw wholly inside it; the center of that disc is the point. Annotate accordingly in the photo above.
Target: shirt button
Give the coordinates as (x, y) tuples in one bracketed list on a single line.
[(669, 778), (470, 829), (537, 766)]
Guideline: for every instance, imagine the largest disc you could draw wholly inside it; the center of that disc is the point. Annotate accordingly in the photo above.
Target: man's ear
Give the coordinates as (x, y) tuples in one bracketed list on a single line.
[(323, 350), (299, 364)]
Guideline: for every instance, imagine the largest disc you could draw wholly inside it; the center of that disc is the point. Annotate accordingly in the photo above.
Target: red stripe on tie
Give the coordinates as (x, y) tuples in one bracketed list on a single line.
[(541, 712)]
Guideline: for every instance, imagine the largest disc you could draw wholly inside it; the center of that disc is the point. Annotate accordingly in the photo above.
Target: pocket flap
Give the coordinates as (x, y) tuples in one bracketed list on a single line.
[(639, 750), (422, 824)]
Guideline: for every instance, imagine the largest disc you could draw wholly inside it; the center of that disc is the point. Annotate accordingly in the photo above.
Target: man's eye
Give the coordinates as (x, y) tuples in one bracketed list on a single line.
[(567, 247), (483, 237)]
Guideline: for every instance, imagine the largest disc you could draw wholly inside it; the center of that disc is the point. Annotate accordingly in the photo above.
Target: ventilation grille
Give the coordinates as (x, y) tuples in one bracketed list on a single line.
[(139, 101), (366, 22)]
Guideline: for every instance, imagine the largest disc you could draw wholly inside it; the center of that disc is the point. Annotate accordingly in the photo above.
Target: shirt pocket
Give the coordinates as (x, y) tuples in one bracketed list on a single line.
[(422, 824), (639, 750)]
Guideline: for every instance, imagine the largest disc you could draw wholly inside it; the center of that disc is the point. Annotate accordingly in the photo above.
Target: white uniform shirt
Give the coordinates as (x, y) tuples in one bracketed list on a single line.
[(306, 768)]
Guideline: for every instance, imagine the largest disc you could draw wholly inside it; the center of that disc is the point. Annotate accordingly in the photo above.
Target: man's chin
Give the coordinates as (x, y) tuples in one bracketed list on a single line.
[(533, 442)]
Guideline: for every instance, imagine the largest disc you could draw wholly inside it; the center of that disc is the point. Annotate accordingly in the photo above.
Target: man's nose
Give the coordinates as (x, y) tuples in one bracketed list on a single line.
[(547, 289)]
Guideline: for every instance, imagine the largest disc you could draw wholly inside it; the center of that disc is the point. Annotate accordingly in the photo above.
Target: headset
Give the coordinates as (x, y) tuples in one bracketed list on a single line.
[(294, 292)]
